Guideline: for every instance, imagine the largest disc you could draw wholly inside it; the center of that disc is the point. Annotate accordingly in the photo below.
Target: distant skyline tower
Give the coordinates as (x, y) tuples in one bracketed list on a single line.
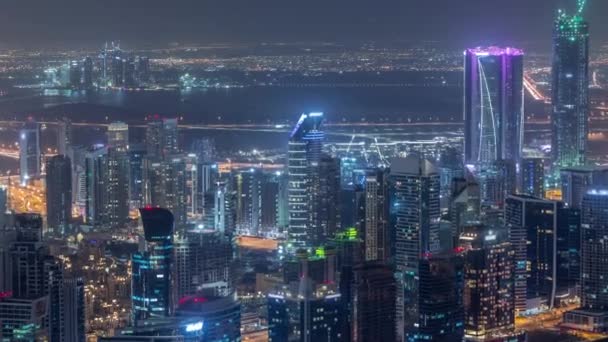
[(87, 76), (152, 267), (64, 136), (117, 187), (59, 194), (118, 136), (493, 104), (161, 137), (304, 153), (96, 191), (29, 152), (570, 89)]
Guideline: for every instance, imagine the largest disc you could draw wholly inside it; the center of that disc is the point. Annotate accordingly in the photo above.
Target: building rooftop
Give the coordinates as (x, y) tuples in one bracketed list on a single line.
[(412, 165), (495, 51)]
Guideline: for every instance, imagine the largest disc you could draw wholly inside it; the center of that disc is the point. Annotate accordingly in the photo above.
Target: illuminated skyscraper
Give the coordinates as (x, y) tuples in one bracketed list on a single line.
[(570, 89), (117, 187), (137, 154), (493, 104), (376, 216), (593, 314), (152, 267), (414, 224), (304, 153), (488, 297), (532, 225), (29, 151)]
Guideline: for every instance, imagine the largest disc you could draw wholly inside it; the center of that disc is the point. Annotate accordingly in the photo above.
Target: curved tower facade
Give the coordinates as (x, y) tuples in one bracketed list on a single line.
[(493, 105)]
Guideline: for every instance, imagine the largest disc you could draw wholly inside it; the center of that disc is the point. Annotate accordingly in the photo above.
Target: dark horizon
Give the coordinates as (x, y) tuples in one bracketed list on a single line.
[(71, 23)]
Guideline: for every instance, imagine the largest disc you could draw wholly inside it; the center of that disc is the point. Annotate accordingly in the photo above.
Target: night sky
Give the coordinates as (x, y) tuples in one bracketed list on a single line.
[(457, 22)]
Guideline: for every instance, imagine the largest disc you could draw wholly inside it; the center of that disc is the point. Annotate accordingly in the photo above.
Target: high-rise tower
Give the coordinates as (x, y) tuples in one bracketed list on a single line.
[(570, 88), (304, 153), (59, 193), (493, 104), (29, 151), (152, 278)]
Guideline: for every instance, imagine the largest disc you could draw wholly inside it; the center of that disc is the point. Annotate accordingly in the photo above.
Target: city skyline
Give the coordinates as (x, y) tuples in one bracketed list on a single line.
[(428, 191)]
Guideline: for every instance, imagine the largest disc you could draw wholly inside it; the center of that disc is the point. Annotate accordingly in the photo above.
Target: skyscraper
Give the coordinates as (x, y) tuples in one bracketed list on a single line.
[(87, 76), (532, 228), (575, 181), (594, 249), (74, 312), (35, 275), (570, 89), (593, 313), (118, 136), (493, 104), (175, 189), (137, 154), (64, 136), (414, 223), (96, 164), (161, 137), (152, 275), (489, 297), (326, 204), (373, 304), (117, 187), (304, 153), (439, 300), (203, 261), (29, 152), (59, 194), (308, 312), (376, 216)]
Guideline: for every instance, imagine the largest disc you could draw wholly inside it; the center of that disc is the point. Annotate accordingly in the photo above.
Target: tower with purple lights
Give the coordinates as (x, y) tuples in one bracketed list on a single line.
[(493, 105)]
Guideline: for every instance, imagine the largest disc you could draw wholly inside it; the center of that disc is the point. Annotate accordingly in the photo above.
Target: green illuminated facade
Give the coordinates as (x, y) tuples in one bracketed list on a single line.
[(570, 89)]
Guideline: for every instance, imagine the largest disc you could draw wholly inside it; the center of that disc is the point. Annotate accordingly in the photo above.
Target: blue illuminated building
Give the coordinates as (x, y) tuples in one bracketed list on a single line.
[(304, 154), (152, 267)]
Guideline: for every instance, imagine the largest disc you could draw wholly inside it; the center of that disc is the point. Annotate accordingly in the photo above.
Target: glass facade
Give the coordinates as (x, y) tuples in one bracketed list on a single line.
[(493, 104), (570, 90)]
